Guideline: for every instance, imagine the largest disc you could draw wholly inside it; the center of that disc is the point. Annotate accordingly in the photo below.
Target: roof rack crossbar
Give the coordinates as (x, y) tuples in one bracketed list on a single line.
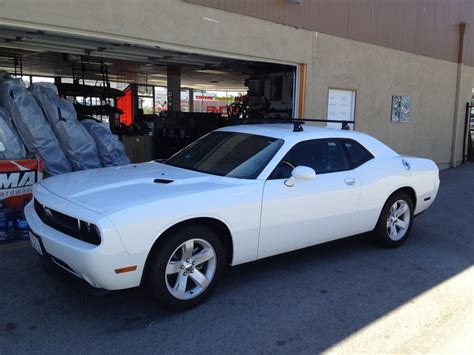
[(297, 122)]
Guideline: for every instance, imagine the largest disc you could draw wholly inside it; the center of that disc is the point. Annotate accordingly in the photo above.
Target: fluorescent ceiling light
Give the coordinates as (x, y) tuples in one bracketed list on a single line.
[(58, 45), (39, 47), (111, 55), (211, 71)]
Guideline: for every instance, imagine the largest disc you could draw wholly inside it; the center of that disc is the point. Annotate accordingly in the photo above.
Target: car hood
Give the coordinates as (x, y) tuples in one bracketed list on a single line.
[(112, 189)]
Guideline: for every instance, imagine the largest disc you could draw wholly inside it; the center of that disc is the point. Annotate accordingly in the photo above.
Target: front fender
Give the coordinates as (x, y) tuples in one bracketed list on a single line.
[(238, 208)]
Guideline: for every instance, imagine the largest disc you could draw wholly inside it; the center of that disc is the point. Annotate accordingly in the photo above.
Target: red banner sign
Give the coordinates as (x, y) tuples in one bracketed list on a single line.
[(201, 97), (17, 178)]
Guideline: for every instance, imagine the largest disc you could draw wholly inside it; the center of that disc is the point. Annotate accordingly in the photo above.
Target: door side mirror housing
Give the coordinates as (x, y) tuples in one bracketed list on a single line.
[(300, 173)]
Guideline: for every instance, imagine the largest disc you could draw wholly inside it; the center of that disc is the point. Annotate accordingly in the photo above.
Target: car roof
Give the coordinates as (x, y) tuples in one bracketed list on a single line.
[(310, 131), (280, 130)]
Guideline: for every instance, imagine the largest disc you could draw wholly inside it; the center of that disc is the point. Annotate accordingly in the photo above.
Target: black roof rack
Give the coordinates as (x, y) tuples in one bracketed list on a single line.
[(297, 122)]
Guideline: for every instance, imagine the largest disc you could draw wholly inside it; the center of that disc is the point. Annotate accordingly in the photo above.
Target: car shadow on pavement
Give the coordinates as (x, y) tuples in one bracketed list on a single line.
[(308, 300)]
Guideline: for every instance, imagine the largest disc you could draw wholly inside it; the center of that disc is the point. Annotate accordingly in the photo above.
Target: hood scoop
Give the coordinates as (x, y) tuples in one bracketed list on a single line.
[(162, 181)]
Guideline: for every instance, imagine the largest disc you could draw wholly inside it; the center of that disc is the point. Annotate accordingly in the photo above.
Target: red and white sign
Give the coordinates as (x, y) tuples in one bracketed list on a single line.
[(17, 178), (223, 110), (211, 109), (202, 97)]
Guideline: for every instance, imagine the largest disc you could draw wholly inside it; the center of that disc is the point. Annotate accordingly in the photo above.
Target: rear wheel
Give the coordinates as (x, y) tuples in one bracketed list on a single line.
[(395, 221), (187, 267)]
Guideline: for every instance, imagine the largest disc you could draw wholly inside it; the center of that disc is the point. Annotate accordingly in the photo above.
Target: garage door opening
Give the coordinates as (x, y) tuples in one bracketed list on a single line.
[(157, 100)]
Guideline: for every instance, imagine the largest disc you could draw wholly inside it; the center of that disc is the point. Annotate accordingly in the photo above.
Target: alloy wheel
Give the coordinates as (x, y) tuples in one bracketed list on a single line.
[(398, 220), (190, 269)]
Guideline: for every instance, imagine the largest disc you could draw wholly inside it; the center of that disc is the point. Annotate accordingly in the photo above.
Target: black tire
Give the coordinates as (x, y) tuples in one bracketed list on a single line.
[(158, 280), (381, 232)]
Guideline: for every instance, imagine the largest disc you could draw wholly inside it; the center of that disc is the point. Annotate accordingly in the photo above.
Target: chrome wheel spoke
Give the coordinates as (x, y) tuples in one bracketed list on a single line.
[(401, 210), (393, 209), (180, 287), (200, 278), (401, 224), (393, 231), (203, 256), (188, 248), (173, 267)]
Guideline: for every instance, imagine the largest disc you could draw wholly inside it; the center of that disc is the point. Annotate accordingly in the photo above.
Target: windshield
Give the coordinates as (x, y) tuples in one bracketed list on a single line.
[(232, 154)]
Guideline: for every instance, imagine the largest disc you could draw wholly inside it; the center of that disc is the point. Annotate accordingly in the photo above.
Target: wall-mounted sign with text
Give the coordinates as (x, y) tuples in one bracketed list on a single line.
[(341, 107)]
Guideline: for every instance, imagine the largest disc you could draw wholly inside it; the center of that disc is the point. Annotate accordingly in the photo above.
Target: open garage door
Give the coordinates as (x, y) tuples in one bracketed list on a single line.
[(172, 96)]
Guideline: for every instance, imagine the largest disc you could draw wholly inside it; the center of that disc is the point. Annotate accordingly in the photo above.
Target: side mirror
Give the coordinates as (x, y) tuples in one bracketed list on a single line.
[(300, 173)]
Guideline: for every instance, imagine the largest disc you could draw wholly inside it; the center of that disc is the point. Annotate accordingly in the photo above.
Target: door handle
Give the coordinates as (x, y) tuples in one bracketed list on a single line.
[(350, 181)]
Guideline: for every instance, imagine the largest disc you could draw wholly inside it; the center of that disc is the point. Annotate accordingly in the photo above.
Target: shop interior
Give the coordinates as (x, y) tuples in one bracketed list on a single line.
[(156, 100)]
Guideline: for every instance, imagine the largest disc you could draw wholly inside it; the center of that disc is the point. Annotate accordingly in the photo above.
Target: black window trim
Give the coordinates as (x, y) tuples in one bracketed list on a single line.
[(340, 140), (344, 148)]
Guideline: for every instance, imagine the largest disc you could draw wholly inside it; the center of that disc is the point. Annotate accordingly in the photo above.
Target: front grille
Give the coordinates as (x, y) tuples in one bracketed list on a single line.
[(87, 232)]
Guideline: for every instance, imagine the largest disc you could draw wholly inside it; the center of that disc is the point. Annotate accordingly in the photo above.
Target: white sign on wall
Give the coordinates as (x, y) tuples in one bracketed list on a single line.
[(341, 105)]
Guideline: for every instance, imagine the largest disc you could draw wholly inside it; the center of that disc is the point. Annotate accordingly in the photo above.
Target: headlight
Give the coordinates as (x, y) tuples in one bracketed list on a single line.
[(85, 231), (89, 233)]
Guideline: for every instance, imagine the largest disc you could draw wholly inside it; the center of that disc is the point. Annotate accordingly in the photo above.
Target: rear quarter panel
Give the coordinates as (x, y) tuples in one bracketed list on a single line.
[(381, 177)]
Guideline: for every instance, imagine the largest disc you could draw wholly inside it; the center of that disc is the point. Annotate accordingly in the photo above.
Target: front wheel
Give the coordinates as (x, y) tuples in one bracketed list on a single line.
[(187, 267), (395, 221)]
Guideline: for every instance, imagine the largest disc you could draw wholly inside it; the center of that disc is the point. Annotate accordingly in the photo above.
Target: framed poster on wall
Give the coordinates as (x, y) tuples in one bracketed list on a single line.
[(401, 107)]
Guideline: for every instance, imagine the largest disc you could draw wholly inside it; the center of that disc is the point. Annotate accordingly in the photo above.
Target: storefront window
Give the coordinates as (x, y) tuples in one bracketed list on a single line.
[(26, 79), (146, 99), (215, 101), (145, 90), (146, 104), (184, 100), (161, 98), (42, 79)]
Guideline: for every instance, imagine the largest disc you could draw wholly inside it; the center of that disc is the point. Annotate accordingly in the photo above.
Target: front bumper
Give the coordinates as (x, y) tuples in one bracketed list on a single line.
[(62, 272), (93, 264)]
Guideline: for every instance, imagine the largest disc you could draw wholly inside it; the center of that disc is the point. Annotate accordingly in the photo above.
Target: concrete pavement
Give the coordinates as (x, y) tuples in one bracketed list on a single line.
[(342, 297)]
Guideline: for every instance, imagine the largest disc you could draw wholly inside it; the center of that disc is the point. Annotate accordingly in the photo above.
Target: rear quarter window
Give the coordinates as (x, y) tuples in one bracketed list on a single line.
[(356, 153)]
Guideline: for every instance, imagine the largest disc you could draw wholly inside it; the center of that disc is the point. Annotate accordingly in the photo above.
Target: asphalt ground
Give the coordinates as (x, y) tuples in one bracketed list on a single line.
[(344, 297)]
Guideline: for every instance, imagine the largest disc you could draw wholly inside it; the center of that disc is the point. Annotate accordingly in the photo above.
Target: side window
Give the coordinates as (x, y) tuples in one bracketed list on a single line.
[(356, 153), (323, 155)]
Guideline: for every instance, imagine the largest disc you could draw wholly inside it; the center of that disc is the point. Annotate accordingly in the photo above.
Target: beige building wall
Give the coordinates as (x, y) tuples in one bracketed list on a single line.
[(168, 23), (375, 72)]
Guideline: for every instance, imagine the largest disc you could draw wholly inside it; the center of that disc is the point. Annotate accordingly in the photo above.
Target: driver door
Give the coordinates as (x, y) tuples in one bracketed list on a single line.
[(311, 211)]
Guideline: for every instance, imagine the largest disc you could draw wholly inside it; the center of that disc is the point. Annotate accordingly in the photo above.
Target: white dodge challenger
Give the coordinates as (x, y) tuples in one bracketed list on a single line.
[(236, 195)]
